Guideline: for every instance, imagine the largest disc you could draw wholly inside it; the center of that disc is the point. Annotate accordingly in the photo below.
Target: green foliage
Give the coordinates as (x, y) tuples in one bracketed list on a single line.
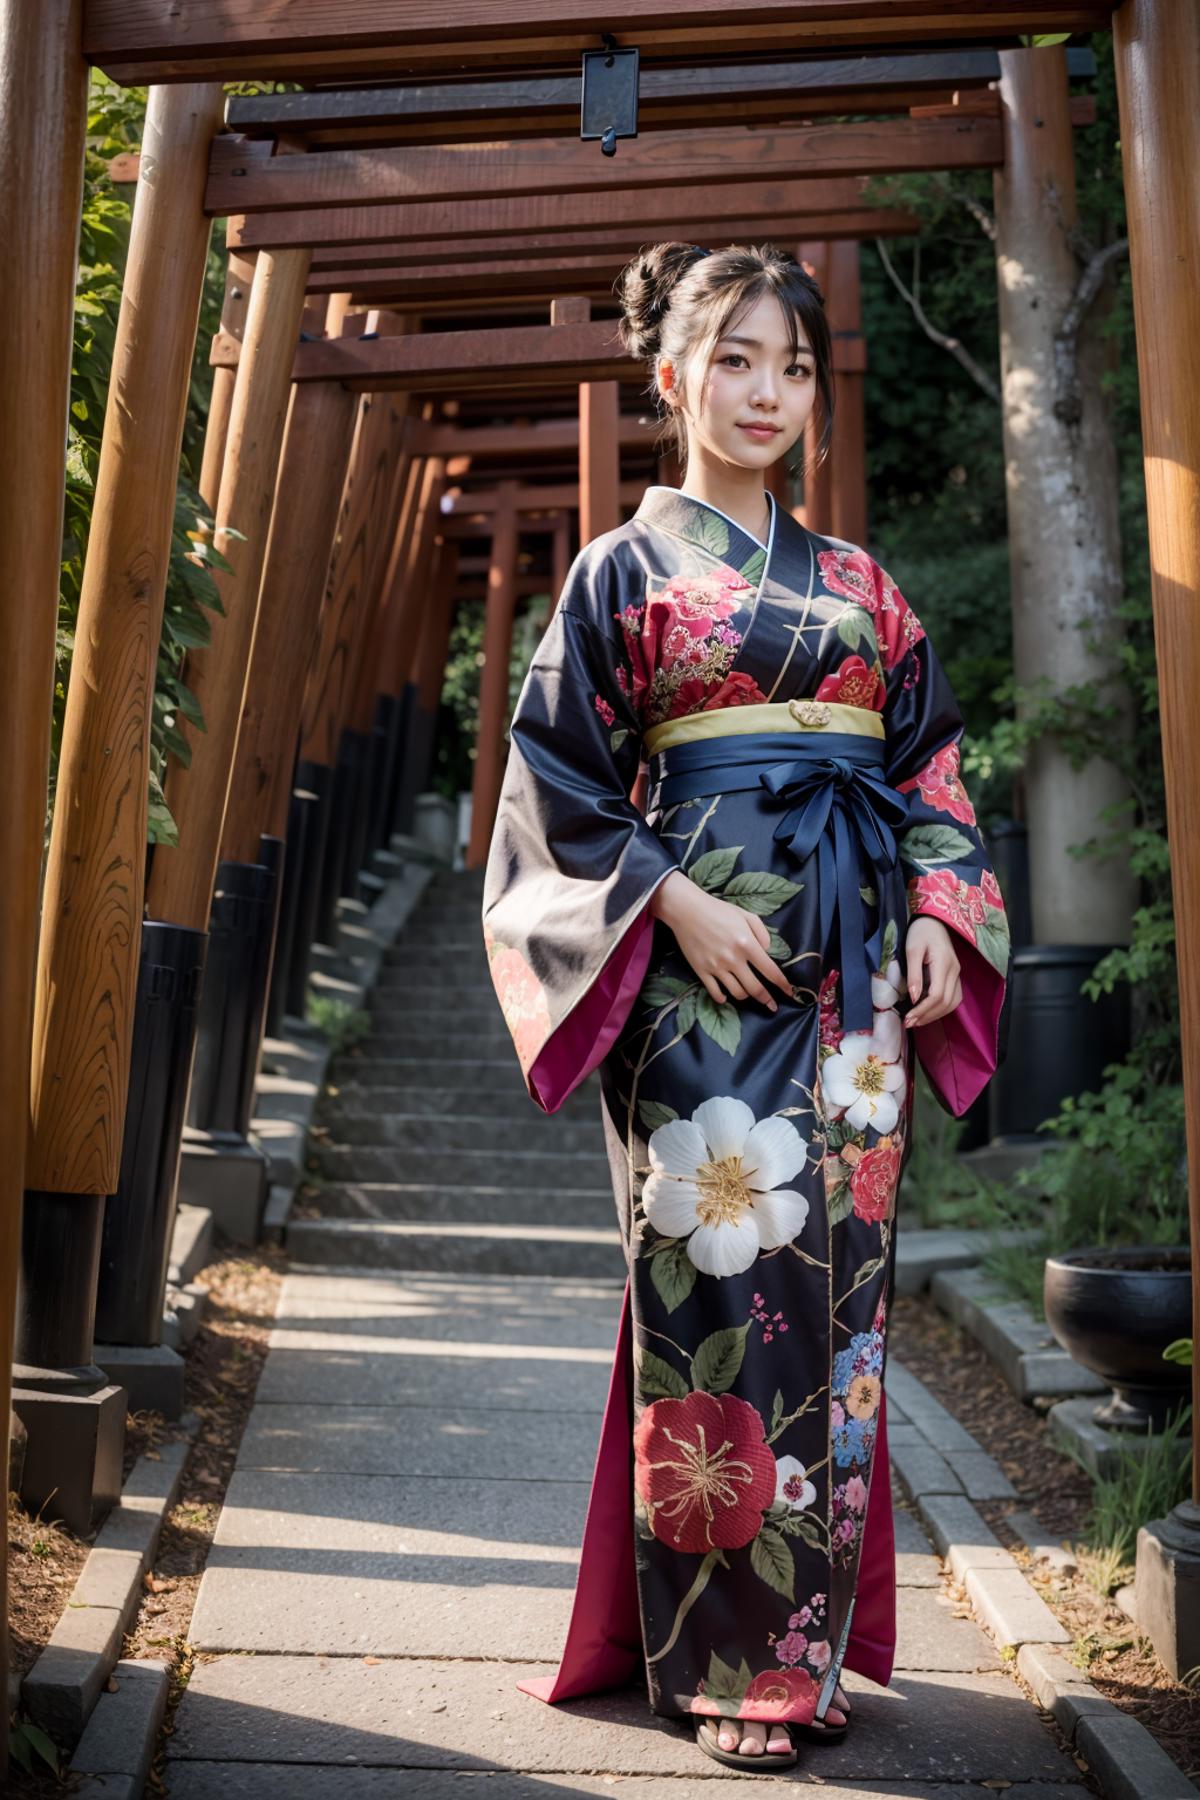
[(115, 119), (27, 1741), (1148, 1481), (342, 1024)]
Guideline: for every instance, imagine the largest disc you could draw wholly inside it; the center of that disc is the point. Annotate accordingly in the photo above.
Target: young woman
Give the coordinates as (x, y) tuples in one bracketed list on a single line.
[(750, 960)]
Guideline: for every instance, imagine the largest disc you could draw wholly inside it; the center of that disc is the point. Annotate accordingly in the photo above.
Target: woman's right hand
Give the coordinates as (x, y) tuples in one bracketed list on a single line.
[(727, 946)]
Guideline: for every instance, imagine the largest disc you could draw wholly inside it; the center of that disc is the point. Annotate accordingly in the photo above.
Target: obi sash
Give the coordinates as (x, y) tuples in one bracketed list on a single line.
[(829, 784)]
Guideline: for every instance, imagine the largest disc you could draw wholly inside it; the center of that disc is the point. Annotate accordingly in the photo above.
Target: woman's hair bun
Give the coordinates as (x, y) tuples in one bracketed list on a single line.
[(644, 290)]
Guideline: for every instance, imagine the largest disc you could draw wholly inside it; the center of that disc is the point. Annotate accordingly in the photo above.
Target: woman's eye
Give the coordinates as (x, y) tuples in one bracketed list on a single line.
[(800, 369), (734, 356)]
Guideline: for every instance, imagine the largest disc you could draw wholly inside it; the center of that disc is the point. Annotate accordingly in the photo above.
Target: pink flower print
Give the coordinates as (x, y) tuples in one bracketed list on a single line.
[(820, 1655), (837, 1418), (790, 1649), (829, 1032), (859, 577), (800, 1618), (856, 1494), (940, 786), (853, 684), (945, 896), (604, 709), (522, 999)]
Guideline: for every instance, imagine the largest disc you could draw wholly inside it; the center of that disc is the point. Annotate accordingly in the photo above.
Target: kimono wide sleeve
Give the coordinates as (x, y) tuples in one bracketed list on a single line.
[(950, 875), (572, 863)]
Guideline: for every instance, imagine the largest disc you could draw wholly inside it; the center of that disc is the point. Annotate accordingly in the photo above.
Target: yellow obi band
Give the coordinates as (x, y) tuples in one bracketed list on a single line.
[(768, 715)]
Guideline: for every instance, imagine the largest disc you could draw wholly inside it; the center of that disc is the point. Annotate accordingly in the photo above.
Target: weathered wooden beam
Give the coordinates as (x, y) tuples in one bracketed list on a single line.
[(239, 278), (438, 438), (181, 880), (553, 497), (159, 40), (545, 216), (669, 159), (43, 102), (92, 896)]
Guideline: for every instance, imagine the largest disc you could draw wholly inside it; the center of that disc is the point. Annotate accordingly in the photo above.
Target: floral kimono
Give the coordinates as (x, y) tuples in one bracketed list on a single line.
[(802, 751)]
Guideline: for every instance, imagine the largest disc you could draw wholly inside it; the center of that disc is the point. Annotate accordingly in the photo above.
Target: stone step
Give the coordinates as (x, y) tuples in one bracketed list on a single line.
[(470, 1249), (509, 1101), (442, 1041), (451, 946), (432, 968), (457, 1074), (427, 999), (374, 1125), (468, 1206), (504, 1168)]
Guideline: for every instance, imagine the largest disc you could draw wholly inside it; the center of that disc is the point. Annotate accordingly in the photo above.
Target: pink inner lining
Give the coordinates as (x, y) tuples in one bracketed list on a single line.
[(594, 1023), (958, 1053)]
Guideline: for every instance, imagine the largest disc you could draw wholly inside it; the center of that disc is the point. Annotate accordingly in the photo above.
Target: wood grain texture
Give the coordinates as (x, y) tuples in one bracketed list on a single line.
[(1156, 49), (498, 217), (181, 880), (493, 683), (312, 473), (244, 184), (92, 899), (410, 596), (239, 277), (160, 40)]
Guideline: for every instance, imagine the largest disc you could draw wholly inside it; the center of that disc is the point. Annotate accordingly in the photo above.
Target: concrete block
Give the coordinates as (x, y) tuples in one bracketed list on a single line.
[(1128, 1762), (152, 1375), (74, 1447), (65, 1682), (227, 1175), (1167, 1587), (923, 1470), (1022, 1347), (122, 1732), (1010, 1608), (1041, 1543), (474, 1249), (1060, 1687), (1072, 1428), (981, 1476), (280, 1199), (403, 1440), (952, 1522), (191, 1244), (922, 1409)]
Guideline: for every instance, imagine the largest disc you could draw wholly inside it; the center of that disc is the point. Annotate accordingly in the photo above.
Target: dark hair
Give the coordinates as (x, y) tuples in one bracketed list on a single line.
[(678, 299)]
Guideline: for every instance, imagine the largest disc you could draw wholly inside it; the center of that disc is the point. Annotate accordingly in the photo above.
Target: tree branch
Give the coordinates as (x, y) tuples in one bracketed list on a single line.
[(954, 345)]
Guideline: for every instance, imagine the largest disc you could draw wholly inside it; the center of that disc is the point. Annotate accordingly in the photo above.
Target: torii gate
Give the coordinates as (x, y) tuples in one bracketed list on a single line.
[(1157, 48)]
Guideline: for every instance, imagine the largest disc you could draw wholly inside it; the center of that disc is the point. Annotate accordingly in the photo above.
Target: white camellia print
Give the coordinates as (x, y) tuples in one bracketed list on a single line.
[(717, 1177), (864, 1079), (885, 988), (792, 1485)]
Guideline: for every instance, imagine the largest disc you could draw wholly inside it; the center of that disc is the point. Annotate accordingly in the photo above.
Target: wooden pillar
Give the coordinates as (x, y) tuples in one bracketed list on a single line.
[(429, 668), (848, 451), (599, 437), (493, 685), (181, 879), (412, 576), (312, 473), (239, 279), (816, 508), (43, 102), (1156, 48), (92, 900)]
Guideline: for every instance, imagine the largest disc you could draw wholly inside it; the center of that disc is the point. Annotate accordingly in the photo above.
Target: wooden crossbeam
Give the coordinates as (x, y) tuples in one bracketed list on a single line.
[(554, 498), (138, 41), (546, 215), (436, 438), (243, 184)]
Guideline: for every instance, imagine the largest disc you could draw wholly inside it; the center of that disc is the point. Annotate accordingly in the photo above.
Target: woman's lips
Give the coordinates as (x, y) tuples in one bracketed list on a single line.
[(760, 431)]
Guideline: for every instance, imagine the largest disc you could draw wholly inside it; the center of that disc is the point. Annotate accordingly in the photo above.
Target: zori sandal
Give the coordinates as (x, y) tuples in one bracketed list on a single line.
[(820, 1733), (766, 1762)]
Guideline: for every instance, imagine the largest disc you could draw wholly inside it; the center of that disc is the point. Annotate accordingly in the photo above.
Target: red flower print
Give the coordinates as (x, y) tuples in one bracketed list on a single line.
[(991, 889), (943, 895), (859, 577), (604, 709), (736, 690), (681, 642), (780, 1694), (828, 1023), (873, 1182), (703, 1468), (854, 685), (717, 585), (941, 787), (523, 1001)]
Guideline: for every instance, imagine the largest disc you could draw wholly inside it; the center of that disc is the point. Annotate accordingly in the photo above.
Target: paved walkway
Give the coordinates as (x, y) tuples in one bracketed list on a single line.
[(398, 1541)]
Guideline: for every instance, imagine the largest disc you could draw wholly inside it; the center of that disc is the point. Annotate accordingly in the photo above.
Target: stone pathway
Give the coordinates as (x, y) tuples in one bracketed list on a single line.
[(398, 1541)]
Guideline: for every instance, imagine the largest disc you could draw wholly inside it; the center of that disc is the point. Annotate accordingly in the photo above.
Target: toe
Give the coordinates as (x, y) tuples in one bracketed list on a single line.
[(754, 1739), (779, 1740), (727, 1737)]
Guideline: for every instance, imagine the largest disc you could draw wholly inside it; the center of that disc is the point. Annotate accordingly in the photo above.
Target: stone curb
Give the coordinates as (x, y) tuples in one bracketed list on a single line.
[(64, 1684), (295, 1065), (116, 1749), (1023, 1348), (1127, 1761), (923, 1253)]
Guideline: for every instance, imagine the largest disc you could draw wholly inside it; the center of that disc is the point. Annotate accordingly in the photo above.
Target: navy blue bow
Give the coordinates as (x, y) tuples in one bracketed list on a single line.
[(865, 814)]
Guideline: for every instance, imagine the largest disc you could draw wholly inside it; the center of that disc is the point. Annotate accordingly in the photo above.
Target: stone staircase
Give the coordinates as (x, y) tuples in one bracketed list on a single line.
[(428, 1154)]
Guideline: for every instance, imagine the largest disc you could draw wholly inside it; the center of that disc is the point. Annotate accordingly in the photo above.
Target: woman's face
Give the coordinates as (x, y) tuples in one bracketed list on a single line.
[(752, 402)]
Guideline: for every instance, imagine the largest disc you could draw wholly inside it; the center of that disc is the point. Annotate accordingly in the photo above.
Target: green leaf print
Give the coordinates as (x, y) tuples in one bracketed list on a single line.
[(714, 533), (776, 1408), (660, 990), (716, 1363), (856, 627), (715, 867), (926, 845), (723, 1682), (617, 737), (771, 1560), (890, 934), (673, 1273), (753, 568), (657, 1380), (869, 895), (654, 1113), (758, 891), (993, 941), (721, 1022), (841, 1202), (685, 1018), (778, 947)]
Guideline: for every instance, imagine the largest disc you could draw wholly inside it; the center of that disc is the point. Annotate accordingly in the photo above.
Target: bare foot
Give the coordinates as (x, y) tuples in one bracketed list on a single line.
[(837, 1712), (750, 1737)]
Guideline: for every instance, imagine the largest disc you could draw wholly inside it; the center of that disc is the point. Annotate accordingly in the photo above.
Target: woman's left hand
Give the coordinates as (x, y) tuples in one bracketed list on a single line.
[(929, 944)]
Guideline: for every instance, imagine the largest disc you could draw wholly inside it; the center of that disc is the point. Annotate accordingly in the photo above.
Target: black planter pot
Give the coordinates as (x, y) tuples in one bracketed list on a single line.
[(135, 1247), (1058, 1042), (235, 990), (1115, 1311), (1008, 845)]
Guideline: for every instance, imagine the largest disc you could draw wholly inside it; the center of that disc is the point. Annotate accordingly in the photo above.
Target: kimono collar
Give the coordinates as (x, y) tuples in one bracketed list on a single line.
[(666, 509)]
